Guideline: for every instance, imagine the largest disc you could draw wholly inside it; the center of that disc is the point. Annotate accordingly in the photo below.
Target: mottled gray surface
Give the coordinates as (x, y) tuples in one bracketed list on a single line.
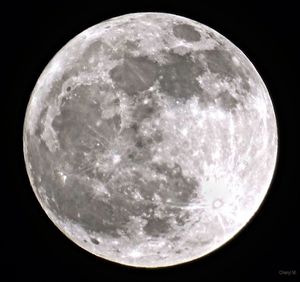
[(150, 139)]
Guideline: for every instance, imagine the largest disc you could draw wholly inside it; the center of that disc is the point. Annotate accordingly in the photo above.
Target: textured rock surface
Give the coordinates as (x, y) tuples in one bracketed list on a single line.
[(150, 139)]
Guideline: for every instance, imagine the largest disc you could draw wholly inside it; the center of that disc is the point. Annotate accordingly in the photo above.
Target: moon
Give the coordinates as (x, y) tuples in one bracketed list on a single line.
[(150, 140)]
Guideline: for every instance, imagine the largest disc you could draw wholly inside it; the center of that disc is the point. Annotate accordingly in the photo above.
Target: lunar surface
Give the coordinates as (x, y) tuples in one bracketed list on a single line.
[(150, 140)]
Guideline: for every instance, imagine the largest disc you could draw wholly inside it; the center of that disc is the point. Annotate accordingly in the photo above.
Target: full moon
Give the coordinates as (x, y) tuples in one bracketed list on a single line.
[(150, 140)]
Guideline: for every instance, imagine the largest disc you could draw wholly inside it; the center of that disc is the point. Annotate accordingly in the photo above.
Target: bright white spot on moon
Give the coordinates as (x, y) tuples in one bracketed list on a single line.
[(150, 140), (184, 131), (116, 159), (64, 177), (217, 203), (135, 253), (235, 60)]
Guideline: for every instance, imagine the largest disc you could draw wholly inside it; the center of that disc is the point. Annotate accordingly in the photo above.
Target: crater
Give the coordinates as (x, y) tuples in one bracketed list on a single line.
[(94, 241), (135, 127), (182, 218), (186, 32)]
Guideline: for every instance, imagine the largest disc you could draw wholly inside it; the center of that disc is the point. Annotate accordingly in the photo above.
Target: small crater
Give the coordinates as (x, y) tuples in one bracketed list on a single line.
[(116, 102), (131, 155), (245, 85), (181, 219), (217, 203), (139, 143), (135, 127), (186, 32), (157, 136), (94, 241)]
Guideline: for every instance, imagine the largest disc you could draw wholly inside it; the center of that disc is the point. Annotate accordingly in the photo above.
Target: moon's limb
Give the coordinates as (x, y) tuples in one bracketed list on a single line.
[(150, 140)]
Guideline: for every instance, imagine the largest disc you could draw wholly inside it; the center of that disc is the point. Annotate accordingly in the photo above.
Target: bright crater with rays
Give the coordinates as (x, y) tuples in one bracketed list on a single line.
[(150, 140)]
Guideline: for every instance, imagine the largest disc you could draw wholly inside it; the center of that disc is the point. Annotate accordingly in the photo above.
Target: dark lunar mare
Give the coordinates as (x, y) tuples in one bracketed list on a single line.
[(186, 32), (78, 137)]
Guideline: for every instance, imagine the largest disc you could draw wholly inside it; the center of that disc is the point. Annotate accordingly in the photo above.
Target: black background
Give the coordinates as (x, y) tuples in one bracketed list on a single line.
[(33, 248)]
